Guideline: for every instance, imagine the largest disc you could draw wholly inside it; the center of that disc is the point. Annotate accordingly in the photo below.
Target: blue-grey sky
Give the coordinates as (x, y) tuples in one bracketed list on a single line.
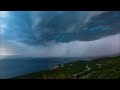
[(60, 33)]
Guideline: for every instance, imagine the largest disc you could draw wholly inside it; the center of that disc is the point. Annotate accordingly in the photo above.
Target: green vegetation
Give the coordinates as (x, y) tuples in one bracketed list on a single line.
[(104, 68)]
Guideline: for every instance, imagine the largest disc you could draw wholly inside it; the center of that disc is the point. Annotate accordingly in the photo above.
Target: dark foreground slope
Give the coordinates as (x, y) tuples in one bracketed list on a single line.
[(104, 68)]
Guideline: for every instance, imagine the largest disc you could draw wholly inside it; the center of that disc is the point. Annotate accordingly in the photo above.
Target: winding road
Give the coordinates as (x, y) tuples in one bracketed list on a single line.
[(88, 68)]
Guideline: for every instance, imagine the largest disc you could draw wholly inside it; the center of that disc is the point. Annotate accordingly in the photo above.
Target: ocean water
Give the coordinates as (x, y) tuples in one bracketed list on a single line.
[(14, 67)]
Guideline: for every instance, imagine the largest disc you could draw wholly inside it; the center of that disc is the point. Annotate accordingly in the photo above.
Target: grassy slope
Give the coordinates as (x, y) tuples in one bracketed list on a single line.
[(104, 68)]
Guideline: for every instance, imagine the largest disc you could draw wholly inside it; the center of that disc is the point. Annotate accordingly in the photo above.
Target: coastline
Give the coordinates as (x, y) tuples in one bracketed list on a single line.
[(95, 69)]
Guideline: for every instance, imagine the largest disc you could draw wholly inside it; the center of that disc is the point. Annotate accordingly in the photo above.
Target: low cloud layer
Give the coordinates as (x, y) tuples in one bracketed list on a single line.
[(103, 47)]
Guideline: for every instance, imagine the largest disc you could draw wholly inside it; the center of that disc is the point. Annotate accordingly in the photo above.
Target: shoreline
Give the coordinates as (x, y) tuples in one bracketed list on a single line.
[(79, 69)]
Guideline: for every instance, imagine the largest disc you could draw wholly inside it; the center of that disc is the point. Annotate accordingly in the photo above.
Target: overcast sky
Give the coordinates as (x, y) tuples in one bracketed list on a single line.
[(60, 33)]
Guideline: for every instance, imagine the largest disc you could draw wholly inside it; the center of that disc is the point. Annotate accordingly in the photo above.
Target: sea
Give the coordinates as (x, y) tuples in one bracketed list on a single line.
[(19, 66)]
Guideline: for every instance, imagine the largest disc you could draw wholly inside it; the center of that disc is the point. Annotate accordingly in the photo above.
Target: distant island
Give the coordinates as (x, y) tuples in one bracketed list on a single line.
[(103, 68)]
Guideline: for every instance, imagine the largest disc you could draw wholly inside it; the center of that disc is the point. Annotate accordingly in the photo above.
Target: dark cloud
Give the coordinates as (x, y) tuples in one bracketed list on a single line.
[(64, 26), (35, 27), (61, 33), (70, 27)]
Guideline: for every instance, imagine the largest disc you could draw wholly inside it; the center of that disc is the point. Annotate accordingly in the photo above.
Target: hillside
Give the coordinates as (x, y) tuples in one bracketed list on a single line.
[(104, 68)]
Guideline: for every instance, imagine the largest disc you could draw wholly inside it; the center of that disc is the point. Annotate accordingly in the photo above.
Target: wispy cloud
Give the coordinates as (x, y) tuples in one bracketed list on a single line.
[(92, 14)]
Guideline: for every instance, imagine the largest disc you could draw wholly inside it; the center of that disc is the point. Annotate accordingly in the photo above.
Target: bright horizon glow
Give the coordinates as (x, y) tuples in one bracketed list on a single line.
[(4, 52)]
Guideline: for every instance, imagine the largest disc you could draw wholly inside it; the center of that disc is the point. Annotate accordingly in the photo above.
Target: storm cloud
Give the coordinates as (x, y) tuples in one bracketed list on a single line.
[(60, 33)]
